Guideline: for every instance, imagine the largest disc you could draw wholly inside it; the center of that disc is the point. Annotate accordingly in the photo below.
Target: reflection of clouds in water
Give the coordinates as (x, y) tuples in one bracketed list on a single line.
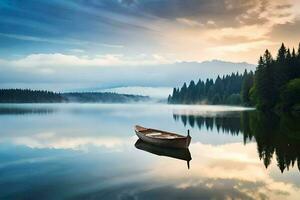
[(212, 176), (235, 163), (120, 110), (217, 171), (207, 110), (215, 189), (56, 141)]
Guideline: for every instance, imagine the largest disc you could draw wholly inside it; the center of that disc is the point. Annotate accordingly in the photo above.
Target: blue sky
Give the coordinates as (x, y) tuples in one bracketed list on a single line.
[(59, 26), (59, 41)]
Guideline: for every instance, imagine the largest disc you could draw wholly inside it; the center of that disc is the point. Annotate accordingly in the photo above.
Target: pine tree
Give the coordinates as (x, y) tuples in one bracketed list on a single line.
[(264, 84), (191, 93), (281, 72), (248, 80), (298, 54), (297, 74), (219, 86), (294, 53), (270, 92), (183, 94), (200, 93), (281, 54)]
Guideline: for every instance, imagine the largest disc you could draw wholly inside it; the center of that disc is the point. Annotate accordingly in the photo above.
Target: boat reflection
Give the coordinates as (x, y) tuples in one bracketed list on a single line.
[(181, 154)]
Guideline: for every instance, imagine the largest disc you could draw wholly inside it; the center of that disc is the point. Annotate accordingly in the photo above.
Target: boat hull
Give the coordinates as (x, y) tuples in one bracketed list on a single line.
[(183, 142)]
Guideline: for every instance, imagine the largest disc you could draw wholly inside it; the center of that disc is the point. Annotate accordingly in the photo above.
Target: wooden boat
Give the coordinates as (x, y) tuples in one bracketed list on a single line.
[(162, 138), (181, 154)]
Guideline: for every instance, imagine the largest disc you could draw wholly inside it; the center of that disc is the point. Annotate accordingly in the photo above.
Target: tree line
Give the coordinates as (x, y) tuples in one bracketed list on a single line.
[(43, 96), (276, 81), (275, 84), (224, 90), (29, 96)]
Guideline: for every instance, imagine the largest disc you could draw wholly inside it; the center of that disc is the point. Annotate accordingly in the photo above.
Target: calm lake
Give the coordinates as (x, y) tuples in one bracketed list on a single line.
[(89, 151)]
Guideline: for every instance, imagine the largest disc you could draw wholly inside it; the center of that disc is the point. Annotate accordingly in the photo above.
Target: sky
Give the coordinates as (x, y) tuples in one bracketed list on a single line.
[(111, 43)]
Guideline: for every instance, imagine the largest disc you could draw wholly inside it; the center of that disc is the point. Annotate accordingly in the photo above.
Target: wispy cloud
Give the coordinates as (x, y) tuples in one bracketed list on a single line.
[(68, 41), (189, 22), (58, 60), (76, 50)]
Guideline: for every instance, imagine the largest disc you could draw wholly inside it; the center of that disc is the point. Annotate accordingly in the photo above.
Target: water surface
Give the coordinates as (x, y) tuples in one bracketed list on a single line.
[(87, 151)]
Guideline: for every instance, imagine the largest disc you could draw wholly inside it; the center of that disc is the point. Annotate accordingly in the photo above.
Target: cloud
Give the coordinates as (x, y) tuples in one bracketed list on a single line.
[(284, 6), (280, 31), (187, 30), (128, 2), (77, 50), (244, 47), (60, 41), (189, 22), (211, 22), (232, 170), (59, 60), (109, 70)]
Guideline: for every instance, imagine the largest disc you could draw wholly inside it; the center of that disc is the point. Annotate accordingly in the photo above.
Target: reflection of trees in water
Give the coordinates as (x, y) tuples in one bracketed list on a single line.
[(225, 124), (279, 135), (276, 136), (24, 111)]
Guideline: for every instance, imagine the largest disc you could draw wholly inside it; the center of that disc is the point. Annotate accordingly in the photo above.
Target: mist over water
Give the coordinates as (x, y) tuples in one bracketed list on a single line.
[(79, 151)]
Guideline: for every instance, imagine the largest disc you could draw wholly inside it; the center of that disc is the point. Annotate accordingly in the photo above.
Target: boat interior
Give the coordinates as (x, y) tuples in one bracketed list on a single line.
[(157, 133)]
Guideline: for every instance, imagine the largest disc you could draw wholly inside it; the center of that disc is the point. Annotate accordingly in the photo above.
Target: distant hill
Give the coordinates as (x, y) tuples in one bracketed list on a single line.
[(103, 97), (41, 96)]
